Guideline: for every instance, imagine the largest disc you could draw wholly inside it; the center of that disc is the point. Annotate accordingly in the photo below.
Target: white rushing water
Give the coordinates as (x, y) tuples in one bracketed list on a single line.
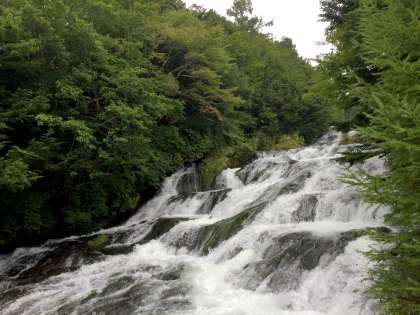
[(280, 236)]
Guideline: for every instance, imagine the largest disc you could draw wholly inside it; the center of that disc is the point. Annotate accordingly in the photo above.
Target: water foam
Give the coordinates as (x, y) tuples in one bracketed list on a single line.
[(296, 252)]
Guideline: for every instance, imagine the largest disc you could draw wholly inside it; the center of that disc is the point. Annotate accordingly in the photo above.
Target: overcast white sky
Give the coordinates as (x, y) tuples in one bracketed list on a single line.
[(297, 19)]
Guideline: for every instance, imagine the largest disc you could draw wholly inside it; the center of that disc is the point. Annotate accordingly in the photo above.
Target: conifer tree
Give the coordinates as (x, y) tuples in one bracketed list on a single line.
[(386, 38)]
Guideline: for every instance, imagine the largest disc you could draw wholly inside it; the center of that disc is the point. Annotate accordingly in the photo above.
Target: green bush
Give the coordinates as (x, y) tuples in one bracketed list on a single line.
[(288, 142)]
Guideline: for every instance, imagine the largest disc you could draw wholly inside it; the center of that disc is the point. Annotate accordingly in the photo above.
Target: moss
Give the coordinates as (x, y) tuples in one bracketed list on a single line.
[(117, 250), (231, 157), (116, 286), (162, 226), (11, 295), (66, 309), (241, 155), (288, 142), (91, 296), (211, 236), (262, 142), (211, 167), (350, 138), (370, 231), (99, 241)]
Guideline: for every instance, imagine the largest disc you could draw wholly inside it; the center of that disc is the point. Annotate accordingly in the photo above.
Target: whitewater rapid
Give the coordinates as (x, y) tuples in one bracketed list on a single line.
[(282, 235)]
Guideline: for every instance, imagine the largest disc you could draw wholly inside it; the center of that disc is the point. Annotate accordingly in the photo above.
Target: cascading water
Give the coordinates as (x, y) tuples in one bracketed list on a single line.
[(280, 236)]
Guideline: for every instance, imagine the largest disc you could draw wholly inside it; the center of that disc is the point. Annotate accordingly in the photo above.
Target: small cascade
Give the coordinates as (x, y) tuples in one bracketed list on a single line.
[(280, 236), (189, 182)]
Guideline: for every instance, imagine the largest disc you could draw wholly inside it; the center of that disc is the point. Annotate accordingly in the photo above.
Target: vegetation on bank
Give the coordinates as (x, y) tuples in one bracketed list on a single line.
[(100, 99), (373, 82), (239, 155)]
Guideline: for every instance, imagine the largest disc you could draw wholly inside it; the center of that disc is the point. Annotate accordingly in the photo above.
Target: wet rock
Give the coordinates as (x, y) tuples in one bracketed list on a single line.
[(206, 237), (122, 236), (255, 172), (282, 188), (69, 255), (211, 236), (162, 226), (296, 183), (59, 257), (214, 198), (110, 306), (178, 198), (171, 274), (66, 256), (307, 209), (99, 241), (148, 297), (250, 174), (190, 182), (119, 249), (292, 254), (116, 285), (11, 295), (232, 253), (162, 291), (19, 261)]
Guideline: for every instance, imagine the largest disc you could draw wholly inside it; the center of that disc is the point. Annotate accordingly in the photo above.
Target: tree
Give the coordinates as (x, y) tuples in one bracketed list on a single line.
[(242, 11), (386, 40), (346, 65), (391, 33)]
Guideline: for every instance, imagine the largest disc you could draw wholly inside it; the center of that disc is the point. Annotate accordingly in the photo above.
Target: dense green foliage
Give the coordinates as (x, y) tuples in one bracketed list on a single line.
[(346, 67), (386, 40), (100, 99)]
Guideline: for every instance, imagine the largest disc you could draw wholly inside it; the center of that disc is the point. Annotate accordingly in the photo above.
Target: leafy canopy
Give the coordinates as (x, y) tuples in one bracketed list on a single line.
[(100, 100)]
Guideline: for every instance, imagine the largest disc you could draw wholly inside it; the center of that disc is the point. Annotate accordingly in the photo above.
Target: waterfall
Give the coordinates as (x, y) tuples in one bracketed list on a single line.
[(282, 235)]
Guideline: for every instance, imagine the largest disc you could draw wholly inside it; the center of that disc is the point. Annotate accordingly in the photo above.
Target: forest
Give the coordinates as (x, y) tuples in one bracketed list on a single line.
[(100, 100)]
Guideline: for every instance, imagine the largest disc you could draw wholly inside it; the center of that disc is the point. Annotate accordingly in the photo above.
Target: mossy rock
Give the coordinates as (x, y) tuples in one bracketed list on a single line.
[(211, 167), (99, 241), (289, 142), (232, 157), (116, 286), (212, 235), (91, 296), (241, 155), (370, 231), (114, 250), (66, 256), (115, 305), (11, 295), (162, 226)]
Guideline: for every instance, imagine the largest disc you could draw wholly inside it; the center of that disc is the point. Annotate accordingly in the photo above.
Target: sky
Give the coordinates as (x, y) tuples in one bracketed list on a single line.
[(297, 19)]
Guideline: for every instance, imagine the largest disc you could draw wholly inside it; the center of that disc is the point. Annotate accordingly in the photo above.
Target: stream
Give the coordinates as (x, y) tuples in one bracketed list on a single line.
[(282, 235)]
